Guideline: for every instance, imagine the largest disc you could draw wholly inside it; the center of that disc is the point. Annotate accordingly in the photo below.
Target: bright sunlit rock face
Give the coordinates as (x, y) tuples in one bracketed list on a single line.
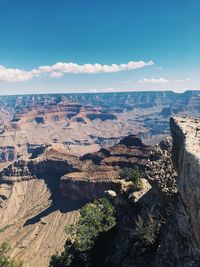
[(186, 154)]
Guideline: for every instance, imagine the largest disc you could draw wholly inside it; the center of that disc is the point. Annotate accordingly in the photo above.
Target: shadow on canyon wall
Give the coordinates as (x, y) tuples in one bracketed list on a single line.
[(58, 202)]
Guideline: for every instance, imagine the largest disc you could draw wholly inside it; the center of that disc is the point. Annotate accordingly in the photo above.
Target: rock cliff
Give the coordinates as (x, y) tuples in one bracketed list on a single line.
[(186, 156), (174, 243), (40, 196)]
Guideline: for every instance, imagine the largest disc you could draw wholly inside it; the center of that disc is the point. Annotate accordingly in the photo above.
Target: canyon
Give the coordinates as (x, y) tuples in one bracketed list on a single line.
[(40, 196), (82, 123), (60, 152)]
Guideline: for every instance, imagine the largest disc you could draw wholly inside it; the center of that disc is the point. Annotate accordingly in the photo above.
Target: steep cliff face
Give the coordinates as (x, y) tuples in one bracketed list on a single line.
[(186, 156), (174, 243)]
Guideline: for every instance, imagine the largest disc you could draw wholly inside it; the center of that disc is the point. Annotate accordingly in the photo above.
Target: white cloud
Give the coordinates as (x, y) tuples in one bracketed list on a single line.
[(91, 68), (184, 80), (14, 75), (57, 70), (155, 81), (56, 75)]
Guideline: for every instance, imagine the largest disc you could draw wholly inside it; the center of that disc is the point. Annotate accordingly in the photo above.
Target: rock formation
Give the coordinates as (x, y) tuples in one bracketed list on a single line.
[(40, 195), (174, 243), (91, 121), (186, 156)]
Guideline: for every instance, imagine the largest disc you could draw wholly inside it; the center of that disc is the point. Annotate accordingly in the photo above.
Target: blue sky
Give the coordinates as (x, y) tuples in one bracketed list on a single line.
[(157, 41)]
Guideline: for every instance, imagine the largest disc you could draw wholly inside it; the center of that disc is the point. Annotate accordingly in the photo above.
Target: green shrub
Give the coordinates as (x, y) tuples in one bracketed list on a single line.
[(146, 232), (133, 175), (95, 218), (6, 261)]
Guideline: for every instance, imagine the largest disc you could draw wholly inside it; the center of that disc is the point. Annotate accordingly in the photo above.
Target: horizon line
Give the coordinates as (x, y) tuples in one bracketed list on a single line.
[(104, 92)]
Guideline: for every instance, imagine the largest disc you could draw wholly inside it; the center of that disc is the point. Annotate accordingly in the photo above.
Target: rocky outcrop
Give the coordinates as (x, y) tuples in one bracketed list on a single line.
[(186, 156), (89, 185), (40, 196), (49, 163), (160, 170), (161, 206), (131, 140), (83, 189), (101, 169), (177, 243)]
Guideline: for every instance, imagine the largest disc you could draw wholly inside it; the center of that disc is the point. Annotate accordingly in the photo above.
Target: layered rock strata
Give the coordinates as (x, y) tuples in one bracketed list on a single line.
[(40, 196)]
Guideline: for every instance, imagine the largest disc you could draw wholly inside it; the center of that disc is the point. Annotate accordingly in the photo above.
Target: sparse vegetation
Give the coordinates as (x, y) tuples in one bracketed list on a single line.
[(5, 260), (133, 175), (95, 218), (4, 228), (146, 232)]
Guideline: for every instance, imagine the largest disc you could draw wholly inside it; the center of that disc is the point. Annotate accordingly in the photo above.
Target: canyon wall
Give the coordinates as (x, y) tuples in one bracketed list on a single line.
[(89, 185), (186, 157), (41, 195)]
